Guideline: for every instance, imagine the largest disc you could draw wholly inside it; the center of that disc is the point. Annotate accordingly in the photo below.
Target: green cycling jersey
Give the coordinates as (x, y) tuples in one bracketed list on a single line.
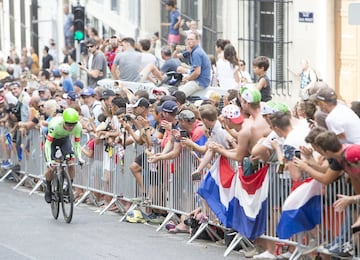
[(56, 131)]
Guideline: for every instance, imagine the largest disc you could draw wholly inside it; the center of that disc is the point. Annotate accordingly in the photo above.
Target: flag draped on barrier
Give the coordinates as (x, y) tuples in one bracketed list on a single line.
[(218, 188), (239, 203), (247, 211), (301, 210)]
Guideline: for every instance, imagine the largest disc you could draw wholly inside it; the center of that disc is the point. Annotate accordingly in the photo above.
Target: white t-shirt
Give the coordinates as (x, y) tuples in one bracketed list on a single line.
[(343, 120), (225, 74)]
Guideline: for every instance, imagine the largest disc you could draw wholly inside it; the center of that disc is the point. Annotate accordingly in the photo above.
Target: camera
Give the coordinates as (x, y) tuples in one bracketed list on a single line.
[(298, 154), (126, 117), (184, 133)]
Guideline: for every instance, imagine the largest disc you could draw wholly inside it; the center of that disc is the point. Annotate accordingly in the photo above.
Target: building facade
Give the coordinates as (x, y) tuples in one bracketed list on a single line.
[(285, 31)]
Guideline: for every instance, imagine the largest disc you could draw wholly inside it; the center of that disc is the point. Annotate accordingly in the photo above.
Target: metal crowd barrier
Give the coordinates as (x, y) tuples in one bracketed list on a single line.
[(168, 186)]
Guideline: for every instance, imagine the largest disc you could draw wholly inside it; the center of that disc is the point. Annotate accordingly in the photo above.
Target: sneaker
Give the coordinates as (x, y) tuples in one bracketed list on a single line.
[(6, 164), (345, 250), (48, 195), (265, 255), (250, 253), (154, 218)]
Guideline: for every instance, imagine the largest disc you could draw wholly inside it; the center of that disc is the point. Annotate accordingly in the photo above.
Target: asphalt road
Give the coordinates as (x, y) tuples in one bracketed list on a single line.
[(28, 231)]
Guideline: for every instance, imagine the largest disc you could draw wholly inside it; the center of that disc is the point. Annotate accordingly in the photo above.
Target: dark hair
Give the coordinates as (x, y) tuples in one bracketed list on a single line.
[(46, 48), (261, 62), (45, 73), (280, 120), (180, 96), (145, 44), (170, 3), (142, 93), (221, 43), (231, 55), (101, 117), (314, 132), (129, 40), (328, 141)]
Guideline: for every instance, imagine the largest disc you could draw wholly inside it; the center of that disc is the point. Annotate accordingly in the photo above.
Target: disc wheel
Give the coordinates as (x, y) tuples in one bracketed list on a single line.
[(55, 200), (67, 196)]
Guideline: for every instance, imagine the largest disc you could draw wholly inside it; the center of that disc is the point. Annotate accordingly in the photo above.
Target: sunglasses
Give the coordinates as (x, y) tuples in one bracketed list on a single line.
[(70, 124), (90, 46)]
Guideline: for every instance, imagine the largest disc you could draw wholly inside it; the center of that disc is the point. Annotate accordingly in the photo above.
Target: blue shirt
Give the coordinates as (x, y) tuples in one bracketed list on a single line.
[(198, 58), (174, 17)]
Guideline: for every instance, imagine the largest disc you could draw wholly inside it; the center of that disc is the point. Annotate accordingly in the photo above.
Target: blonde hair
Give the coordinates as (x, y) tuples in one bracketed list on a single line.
[(51, 105)]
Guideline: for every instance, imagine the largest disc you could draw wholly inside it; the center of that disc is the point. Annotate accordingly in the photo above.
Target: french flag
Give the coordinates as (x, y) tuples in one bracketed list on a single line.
[(301, 210), (218, 188), (247, 211)]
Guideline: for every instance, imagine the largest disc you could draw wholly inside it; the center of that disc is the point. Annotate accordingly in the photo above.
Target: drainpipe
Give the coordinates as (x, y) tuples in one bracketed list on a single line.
[(279, 39)]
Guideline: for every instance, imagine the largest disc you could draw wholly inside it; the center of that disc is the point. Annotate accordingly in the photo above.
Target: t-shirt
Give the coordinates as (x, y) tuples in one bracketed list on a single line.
[(199, 58), (174, 17), (170, 65), (98, 63), (344, 120), (129, 63)]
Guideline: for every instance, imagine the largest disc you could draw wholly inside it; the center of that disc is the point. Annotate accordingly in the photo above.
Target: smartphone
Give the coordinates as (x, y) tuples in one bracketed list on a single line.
[(184, 133), (298, 154)]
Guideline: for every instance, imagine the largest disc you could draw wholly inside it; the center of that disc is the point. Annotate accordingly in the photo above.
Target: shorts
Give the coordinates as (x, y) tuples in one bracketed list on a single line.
[(173, 38), (139, 159), (65, 146)]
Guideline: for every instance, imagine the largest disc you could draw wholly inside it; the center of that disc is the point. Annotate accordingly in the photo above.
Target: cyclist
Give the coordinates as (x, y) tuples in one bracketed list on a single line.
[(59, 131)]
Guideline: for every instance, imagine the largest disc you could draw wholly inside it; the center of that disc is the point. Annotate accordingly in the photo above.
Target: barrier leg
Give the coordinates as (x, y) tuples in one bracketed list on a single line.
[(83, 197), (132, 207), (115, 200), (37, 186), (169, 216), (6, 175), (22, 181), (244, 242)]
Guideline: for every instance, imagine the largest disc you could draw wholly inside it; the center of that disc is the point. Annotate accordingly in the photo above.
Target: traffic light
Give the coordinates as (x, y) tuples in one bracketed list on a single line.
[(79, 22)]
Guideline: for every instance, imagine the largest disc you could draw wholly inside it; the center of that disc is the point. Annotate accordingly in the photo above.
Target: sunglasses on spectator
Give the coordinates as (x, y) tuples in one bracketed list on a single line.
[(90, 46)]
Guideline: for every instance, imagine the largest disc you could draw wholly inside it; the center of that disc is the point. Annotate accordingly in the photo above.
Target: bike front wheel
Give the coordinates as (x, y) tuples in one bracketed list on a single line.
[(55, 200), (67, 196)]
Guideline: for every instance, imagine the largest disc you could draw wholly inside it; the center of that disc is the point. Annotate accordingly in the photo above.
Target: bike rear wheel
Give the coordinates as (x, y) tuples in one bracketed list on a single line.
[(67, 196), (55, 200)]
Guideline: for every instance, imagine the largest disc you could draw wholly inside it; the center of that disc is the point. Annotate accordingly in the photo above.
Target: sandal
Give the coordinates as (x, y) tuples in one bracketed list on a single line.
[(178, 230)]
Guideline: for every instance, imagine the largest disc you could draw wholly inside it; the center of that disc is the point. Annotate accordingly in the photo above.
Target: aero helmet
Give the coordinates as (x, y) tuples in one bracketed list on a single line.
[(71, 116)]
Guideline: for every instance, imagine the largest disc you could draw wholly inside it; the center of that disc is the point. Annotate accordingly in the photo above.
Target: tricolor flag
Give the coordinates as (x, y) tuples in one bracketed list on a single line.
[(247, 211), (301, 210), (218, 188)]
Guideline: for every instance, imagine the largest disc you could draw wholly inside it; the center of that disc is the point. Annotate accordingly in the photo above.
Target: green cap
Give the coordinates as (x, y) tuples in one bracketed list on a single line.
[(251, 95)]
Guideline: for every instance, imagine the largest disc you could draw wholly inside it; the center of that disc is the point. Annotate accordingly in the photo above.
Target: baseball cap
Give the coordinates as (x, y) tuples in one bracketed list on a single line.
[(79, 84), (2, 99), (141, 102), (251, 95), (161, 90), (56, 73), (168, 106), (87, 92), (232, 112), (267, 108), (71, 95), (352, 153), (326, 94), (186, 115), (107, 93), (64, 68), (215, 97), (42, 88), (281, 107)]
